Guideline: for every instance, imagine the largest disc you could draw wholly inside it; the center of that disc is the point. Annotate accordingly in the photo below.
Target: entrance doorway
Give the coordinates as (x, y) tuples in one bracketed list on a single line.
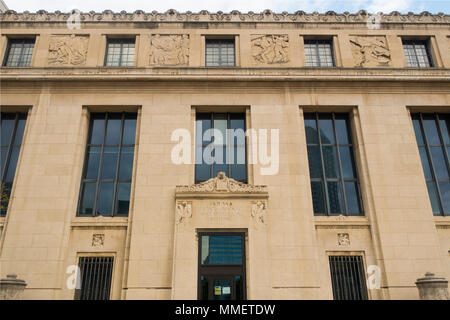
[(221, 266)]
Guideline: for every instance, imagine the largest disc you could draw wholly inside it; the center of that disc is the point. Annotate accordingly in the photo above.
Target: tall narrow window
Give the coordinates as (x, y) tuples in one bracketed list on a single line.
[(19, 52), (95, 278), (220, 146), (12, 128), (108, 167), (432, 134), (319, 53), (347, 277), (120, 53), (417, 54), (334, 178), (220, 52)]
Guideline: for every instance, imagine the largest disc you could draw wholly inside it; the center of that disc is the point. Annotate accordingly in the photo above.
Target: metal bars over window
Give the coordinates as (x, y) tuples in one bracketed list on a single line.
[(19, 52), (417, 53), (120, 53), (12, 129), (108, 166), (348, 278), (433, 138), (319, 53), (334, 178), (95, 278), (220, 53)]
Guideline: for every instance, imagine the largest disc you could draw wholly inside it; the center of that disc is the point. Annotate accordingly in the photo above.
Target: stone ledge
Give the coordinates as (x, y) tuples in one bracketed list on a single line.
[(442, 222), (99, 222), (341, 222)]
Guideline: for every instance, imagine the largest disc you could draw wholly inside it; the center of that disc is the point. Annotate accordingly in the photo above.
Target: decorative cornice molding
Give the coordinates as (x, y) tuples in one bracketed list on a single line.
[(233, 16)]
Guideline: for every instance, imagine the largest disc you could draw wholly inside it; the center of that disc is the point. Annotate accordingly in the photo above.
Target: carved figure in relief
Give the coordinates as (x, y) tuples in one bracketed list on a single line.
[(270, 49), (184, 210), (68, 50), (169, 49), (259, 211), (343, 239), (370, 51)]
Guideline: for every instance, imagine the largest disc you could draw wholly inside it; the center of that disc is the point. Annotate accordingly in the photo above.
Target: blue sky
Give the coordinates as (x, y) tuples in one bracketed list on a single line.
[(404, 6)]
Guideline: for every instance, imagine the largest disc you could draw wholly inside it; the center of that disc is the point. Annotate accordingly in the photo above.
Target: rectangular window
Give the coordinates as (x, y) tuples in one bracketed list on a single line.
[(120, 53), (348, 278), (108, 166), (220, 53), (95, 277), (220, 146), (334, 178), (19, 52), (319, 53), (12, 128), (417, 54), (433, 138)]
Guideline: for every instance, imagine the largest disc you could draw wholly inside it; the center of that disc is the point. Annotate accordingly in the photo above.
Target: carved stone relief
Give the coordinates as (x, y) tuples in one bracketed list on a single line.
[(370, 51), (98, 240), (169, 50), (183, 211), (343, 239), (68, 50), (270, 49), (259, 211)]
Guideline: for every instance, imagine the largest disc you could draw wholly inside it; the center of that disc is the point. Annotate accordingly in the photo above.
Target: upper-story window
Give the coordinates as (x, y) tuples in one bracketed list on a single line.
[(19, 52), (108, 166), (433, 138), (334, 178), (319, 53), (417, 53), (12, 128), (220, 53), (220, 146), (120, 52)]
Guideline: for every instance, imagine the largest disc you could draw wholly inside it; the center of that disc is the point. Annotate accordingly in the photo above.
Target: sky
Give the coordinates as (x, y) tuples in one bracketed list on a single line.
[(373, 6)]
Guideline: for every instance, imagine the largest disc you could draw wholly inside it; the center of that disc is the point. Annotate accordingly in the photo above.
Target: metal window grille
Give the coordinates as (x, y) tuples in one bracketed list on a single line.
[(12, 129), (433, 139), (319, 53), (417, 54), (95, 277), (19, 52), (220, 53), (348, 278), (120, 53)]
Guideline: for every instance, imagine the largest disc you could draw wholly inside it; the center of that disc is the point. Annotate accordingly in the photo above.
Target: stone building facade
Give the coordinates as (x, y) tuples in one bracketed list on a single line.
[(387, 80)]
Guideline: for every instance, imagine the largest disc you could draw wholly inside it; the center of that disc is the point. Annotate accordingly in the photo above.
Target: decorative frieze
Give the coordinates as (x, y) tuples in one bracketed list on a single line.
[(167, 50), (68, 50), (270, 49), (370, 51)]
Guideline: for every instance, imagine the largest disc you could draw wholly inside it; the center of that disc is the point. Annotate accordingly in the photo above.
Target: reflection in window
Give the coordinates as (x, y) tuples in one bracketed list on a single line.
[(120, 53), (12, 128), (433, 138), (106, 185), (334, 180), (220, 53), (221, 249), (220, 146), (19, 52), (417, 54), (319, 53)]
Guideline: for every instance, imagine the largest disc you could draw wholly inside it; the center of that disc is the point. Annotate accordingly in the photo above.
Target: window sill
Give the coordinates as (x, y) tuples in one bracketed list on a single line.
[(442, 222), (344, 221), (100, 221)]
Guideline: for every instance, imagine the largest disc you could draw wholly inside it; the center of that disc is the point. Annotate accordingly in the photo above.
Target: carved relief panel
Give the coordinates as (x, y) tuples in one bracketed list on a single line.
[(270, 49), (68, 50), (169, 50), (370, 51)]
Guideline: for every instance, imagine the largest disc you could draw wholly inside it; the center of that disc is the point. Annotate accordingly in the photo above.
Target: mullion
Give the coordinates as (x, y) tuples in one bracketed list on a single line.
[(416, 55), (22, 45), (430, 161), (116, 180), (324, 179), (340, 164)]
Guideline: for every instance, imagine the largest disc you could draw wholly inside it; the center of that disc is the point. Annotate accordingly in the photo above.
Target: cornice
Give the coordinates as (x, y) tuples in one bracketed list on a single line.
[(266, 16)]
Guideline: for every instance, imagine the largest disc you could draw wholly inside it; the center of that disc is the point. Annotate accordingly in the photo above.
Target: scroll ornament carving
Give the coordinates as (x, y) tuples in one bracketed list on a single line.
[(68, 50), (270, 49), (221, 184), (205, 16), (169, 49), (259, 211), (370, 51), (184, 210)]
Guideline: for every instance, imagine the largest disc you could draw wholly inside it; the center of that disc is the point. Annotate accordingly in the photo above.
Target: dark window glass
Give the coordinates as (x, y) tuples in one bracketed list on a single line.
[(348, 278), (417, 54), (12, 129), (220, 146), (221, 249), (432, 132), (106, 185), (319, 53), (120, 53), (95, 278), (19, 53), (220, 52), (334, 179)]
